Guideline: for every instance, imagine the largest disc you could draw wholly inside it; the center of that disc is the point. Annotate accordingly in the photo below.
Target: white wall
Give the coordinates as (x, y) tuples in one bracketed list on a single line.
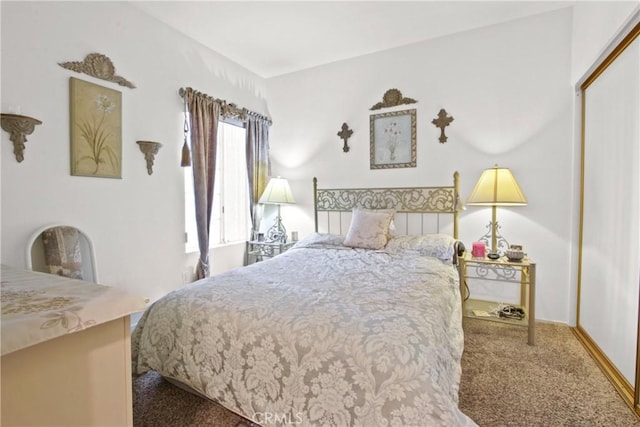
[(137, 222), (507, 87), (595, 24)]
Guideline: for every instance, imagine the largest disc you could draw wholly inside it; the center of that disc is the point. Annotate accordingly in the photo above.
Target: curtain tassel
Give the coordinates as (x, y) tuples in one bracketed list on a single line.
[(186, 155)]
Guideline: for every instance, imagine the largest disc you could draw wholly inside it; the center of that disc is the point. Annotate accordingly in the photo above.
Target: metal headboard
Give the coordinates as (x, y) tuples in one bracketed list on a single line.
[(409, 200)]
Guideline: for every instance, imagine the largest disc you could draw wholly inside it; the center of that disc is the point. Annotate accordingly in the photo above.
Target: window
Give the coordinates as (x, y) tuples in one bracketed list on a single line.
[(230, 218)]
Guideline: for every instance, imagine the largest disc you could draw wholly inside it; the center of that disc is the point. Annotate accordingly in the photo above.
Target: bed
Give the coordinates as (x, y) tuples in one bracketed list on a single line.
[(331, 332)]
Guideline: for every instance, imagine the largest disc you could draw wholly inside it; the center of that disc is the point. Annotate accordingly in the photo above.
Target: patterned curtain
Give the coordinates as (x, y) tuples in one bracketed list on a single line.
[(205, 115), (258, 164)]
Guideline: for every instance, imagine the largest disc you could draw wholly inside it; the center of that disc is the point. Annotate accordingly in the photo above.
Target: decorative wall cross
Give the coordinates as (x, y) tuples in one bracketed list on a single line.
[(441, 122), (345, 134)]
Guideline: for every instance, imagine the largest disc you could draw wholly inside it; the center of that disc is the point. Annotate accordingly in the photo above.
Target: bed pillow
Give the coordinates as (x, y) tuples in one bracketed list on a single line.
[(441, 246), (320, 240), (369, 229)]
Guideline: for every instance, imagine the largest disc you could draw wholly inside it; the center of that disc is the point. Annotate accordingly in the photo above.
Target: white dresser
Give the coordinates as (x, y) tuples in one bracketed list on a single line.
[(66, 351)]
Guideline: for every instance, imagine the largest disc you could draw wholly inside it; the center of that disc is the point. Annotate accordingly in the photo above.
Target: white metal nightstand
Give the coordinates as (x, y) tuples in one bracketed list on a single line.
[(501, 270), (259, 250)]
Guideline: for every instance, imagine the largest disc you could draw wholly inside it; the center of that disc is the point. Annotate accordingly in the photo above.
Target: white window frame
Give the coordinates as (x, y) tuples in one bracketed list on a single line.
[(218, 230)]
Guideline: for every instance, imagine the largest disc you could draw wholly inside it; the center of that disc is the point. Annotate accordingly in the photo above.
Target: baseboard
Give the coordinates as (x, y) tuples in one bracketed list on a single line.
[(621, 385)]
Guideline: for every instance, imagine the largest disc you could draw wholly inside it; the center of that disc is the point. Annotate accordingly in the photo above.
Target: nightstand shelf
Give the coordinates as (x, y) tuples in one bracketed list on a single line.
[(501, 270), (260, 250), (472, 305)]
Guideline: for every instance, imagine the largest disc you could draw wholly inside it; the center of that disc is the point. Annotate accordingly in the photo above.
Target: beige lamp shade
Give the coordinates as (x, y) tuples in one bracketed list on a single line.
[(497, 187), (277, 192)]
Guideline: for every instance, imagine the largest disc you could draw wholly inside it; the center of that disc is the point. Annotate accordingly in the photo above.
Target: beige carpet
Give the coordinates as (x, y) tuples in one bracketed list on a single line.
[(505, 382), (157, 403)]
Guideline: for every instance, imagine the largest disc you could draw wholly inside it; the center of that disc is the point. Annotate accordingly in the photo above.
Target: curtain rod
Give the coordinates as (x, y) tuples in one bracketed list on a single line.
[(228, 108)]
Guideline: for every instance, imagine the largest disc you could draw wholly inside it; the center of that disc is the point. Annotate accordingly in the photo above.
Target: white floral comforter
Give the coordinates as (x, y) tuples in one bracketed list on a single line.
[(320, 335)]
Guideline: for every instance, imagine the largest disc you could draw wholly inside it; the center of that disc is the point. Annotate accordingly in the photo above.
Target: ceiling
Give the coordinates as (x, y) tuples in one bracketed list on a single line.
[(275, 38)]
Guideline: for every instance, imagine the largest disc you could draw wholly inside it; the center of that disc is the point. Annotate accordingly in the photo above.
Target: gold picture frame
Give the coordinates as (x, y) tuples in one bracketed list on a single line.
[(393, 140), (96, 130)]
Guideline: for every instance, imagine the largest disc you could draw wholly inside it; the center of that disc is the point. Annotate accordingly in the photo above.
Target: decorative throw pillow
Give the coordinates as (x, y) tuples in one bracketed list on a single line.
[(441, 246), (369, 229)]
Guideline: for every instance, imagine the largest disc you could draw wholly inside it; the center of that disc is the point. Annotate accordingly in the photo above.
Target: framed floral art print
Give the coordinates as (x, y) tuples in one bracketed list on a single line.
[(393, 139), (96, 130)]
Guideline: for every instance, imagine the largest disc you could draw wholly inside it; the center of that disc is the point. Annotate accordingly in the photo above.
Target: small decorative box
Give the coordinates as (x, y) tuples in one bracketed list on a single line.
[(478, 250), (514, 254)]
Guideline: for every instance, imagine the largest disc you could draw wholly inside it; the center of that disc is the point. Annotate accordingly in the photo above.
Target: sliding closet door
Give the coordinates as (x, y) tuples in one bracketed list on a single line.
[(609, 291)]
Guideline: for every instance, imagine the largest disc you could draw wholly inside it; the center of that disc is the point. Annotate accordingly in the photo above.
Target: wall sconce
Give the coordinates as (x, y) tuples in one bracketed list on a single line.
[(18, 127), (149, 149)]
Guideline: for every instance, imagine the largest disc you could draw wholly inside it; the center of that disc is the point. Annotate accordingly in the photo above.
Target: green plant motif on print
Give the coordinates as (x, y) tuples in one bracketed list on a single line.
[(96, 130), (97, 136)]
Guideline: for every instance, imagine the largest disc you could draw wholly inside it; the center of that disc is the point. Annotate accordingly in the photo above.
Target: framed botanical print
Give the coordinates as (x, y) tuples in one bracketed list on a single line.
[(393, 140), (96, 130)]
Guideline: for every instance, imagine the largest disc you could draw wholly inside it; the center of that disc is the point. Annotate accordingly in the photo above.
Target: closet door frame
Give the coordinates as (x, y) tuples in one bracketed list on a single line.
[(629, 392)]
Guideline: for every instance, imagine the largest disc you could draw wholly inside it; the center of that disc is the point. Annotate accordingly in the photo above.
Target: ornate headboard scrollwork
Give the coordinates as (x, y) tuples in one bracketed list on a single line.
[(409, 200)]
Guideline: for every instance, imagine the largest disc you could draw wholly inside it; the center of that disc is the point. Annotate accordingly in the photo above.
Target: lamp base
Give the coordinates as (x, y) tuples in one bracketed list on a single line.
[(277, 232), (493, 255)]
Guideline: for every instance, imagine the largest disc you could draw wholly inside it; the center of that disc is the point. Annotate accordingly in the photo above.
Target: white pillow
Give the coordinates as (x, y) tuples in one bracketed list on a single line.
[(369, 229), (440, 246), (320, 240)]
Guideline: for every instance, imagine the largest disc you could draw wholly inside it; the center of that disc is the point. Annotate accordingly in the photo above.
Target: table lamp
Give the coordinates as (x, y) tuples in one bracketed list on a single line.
[(496, 187), (278, 193)]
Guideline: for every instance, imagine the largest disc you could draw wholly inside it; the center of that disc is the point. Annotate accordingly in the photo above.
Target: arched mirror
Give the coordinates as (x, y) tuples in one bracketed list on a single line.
[(62, 250)]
